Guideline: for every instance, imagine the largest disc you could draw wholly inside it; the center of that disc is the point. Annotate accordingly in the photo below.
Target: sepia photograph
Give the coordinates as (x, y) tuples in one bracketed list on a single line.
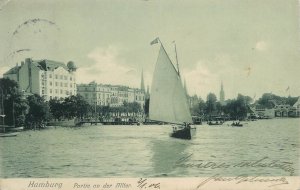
[(149, 94)]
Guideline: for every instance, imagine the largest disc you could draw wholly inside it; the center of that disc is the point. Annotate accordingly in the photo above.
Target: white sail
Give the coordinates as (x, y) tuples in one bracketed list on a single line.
[(168, 101)]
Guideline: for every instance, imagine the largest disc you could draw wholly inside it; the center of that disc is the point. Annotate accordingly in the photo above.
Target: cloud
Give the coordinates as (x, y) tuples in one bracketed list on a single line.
[(207, 75), (261, 46), (200, 79), (108, 68)]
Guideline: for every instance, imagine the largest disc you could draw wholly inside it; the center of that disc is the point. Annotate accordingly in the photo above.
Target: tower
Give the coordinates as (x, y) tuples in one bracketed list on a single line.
[(147, 93), (222, 95), (142, 82)]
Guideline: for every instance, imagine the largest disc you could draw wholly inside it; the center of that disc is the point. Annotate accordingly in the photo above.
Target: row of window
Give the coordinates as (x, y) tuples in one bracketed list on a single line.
[(62, 77), (125, 92), (61, 84), (139, 98), (57, 91)]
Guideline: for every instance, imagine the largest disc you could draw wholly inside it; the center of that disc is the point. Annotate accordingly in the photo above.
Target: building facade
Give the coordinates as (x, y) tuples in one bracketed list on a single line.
[(110, 95), (49, 79)]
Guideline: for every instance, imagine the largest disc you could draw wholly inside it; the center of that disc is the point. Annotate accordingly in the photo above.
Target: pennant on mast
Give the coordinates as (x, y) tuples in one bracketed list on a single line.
[(155, 41)]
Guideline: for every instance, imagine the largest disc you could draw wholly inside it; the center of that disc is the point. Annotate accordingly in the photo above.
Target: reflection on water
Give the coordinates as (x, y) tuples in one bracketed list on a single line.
[(134, 151), (165, 155)]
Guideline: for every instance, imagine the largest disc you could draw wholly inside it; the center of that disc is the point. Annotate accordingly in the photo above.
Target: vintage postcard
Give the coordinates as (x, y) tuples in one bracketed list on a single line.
[(149, 94)]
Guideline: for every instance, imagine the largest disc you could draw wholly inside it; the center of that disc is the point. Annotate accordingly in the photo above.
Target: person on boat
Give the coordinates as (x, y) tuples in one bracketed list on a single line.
[(187, 125)]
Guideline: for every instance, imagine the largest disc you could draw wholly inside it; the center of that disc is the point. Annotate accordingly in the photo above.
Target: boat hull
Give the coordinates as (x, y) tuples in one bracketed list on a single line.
[(240, 125), (184, 133), (8, 134)]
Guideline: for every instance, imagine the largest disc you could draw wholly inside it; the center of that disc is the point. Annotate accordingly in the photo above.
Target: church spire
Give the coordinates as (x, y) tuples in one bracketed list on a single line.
[(142, 81)]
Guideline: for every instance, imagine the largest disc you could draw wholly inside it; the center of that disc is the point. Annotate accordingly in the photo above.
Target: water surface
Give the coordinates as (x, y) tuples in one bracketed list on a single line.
[(135, 151)]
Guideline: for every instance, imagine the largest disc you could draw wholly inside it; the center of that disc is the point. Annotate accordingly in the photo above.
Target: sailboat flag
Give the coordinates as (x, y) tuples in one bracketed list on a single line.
[(155, 41)]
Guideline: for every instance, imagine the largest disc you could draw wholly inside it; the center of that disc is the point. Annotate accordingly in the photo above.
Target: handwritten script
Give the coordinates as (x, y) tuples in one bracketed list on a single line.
[(144, 183), (272, 181), (264, 162)]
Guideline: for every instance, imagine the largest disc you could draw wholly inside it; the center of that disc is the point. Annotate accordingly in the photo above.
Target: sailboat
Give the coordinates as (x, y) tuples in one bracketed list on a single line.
[(168, 101)]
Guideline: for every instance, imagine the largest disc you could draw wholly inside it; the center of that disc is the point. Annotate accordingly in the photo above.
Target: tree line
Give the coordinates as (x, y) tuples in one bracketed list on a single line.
[(236, 108), (33, 111)]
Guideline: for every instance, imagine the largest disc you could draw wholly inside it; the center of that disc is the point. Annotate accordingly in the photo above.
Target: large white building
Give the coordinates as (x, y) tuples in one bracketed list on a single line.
[(49, 79), (112, 95)]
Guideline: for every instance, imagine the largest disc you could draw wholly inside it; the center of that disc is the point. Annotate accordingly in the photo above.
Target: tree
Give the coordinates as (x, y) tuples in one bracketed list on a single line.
[(269, 100), (241, 106), (238, 108), (14, 104), (76, 106), (39, 112), (57, 108), (202, 106), (135, 107), (211, 103)]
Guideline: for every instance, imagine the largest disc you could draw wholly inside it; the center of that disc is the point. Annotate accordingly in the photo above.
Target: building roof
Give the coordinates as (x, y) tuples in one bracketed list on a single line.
[(297, 103), (50, 65), (13, 70)]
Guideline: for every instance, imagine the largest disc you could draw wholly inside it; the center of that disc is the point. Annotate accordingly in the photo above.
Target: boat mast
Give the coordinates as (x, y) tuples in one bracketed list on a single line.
[(13, 112), (2, 106), (176, 58), (158, 40)]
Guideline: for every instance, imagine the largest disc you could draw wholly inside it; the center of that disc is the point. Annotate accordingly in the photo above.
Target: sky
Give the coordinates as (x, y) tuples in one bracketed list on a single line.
[(252, 46)]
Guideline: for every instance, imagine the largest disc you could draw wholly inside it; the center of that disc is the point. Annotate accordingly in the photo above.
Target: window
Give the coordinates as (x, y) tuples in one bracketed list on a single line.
[(50, 83), (56, 76), (66, 84), (61, 77), (56, 91), (61, 84), (71, 85), (56, 83), (70, 78), (50, 91), (61, 91), (50, 76), (65, 77)]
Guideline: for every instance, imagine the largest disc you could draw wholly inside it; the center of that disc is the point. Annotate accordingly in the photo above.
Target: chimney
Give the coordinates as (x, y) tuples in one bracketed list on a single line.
[(28, 60)]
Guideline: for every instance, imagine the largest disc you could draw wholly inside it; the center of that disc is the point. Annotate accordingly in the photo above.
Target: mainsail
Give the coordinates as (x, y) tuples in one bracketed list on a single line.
[(168, 101)]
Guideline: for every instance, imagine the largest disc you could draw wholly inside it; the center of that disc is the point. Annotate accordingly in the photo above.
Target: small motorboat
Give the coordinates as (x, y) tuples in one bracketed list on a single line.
[(236, 124)]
